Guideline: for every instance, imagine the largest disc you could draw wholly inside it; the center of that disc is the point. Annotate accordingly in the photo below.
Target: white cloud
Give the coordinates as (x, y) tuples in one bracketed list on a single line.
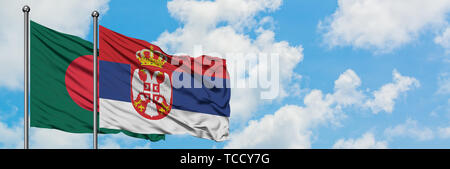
[(206, 14), (73, 17), (55, 139), (382, 25), (286, 128), (444, 83), (366, 141), (221, 28), (11, 136), (444, 39), (444, 132), (291, 126), (410, 129), (384, 98), (345, 89)]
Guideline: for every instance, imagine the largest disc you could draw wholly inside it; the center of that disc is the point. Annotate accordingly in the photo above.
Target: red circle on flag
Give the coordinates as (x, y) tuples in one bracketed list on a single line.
[(79, 81)]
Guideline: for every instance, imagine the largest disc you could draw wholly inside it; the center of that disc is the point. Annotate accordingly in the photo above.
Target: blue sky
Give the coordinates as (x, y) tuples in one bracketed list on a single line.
[(335, 42)]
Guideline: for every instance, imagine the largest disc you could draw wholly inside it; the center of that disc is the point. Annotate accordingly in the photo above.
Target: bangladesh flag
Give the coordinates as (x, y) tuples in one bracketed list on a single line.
[(61, 90)]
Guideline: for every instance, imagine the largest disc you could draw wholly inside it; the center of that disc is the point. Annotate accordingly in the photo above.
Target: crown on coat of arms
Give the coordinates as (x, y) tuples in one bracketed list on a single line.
[(147, 57)]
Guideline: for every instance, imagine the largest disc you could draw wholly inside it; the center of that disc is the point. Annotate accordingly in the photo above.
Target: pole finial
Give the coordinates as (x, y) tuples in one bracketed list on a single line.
[(95, 14), (26, 8)]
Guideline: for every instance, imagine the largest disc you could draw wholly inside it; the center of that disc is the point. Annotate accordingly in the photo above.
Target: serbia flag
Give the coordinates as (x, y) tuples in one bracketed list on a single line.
[(144, 90)]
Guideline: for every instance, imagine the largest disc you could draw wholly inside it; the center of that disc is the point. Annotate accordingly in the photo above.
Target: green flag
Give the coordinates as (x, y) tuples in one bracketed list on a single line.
[(61, 83)]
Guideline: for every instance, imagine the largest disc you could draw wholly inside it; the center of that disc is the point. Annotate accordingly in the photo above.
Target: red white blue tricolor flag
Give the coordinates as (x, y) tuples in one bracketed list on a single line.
[(144, 90)]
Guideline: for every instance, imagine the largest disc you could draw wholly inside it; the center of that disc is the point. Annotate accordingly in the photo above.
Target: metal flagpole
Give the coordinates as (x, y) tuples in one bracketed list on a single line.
[(26, 10), (95, 15)]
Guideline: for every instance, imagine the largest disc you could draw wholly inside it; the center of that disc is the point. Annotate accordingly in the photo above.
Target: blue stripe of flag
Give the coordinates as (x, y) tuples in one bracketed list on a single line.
[(114, 84)]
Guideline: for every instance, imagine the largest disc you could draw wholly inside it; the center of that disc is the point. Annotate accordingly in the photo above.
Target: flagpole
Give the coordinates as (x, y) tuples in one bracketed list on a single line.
[(26, 10), (95, 15)]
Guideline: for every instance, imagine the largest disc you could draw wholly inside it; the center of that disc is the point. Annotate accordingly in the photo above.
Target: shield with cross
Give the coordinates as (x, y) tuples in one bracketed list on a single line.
[(151, 87)]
